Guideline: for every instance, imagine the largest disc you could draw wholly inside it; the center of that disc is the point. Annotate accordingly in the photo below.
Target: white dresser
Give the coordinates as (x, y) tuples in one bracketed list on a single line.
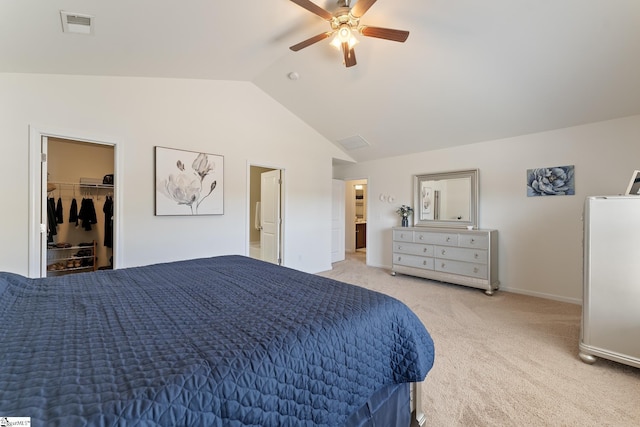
[(464, 257), (611, 299)]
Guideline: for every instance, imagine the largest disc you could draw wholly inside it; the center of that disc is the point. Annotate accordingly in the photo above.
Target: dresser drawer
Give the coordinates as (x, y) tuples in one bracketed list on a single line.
[(413, 248), (463, 268), (474, 241), (413, 261), (402, 236), (449, 239), (479, 256)]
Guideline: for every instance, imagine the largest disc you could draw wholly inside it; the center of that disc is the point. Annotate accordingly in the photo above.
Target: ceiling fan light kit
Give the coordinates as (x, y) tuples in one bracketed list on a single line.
[(344, 35), (345, 21)]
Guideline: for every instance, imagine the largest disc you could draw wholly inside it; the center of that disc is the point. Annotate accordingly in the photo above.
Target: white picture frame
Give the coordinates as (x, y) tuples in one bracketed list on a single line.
[(633, 189), (188, 182)]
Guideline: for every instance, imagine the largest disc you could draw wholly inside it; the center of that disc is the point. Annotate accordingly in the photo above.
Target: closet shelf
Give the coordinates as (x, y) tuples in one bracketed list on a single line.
[(109, 186), (72, 258)]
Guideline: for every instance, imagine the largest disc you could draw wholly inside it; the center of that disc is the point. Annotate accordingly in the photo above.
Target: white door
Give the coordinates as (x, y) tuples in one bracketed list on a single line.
[(43, 207), (270, 183), (337, 220)]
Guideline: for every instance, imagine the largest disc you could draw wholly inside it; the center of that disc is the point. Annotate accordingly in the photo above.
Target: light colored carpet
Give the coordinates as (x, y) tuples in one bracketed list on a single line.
[(505, 360)]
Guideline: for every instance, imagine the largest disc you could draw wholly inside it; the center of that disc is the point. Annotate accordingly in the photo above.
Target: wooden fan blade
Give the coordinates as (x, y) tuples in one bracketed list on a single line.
[(361, 7), (349, 55), (314, 8), (310, 41), (385, 33)]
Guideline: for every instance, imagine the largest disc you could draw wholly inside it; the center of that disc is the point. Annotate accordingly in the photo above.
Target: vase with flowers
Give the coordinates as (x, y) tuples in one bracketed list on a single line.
[(405, 211)]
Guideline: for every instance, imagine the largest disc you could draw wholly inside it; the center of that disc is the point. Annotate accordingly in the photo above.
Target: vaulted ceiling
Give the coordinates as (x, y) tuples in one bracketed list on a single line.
[(470, 71)]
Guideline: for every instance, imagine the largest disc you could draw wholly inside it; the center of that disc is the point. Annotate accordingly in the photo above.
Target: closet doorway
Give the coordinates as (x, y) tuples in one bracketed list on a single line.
[(265, 213), (67, 237), (80, 211)]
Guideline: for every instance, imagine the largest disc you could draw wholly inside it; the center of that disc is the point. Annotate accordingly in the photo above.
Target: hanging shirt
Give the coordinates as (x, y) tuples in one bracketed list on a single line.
[(108, 222), (51, 219), (73, 212), (87, 214), (59, 215)]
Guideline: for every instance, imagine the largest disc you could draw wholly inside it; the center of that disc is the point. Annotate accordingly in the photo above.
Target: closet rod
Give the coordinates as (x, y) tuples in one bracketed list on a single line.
[(80, 185)]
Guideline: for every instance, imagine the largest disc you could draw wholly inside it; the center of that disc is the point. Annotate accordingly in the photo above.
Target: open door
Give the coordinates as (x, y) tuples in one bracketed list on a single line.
[(337, 220), (270, 216), (43, 224)]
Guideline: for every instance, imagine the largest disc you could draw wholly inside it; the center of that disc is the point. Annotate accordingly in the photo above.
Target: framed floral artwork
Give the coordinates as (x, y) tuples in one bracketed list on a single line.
[(188, 182), (551, 181)]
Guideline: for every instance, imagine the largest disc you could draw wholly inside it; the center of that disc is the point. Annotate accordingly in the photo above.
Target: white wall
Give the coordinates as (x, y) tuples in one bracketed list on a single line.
[(232, 119), (540, 238)]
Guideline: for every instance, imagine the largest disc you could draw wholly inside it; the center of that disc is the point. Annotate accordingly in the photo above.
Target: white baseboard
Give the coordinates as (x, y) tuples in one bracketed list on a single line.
[(541, 295)]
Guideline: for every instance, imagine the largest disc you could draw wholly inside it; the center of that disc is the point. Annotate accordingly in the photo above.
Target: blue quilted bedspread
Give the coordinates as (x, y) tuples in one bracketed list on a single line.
[(225, 341)]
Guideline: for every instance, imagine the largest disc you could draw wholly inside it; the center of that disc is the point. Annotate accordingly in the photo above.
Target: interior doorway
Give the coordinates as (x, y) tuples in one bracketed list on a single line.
[(356, 203), (265, 214), (80, 196), (72, 158)]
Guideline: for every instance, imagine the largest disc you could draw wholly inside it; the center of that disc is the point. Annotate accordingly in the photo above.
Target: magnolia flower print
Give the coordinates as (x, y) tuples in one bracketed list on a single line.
[(188, 187), (553, 181), (202, 166)]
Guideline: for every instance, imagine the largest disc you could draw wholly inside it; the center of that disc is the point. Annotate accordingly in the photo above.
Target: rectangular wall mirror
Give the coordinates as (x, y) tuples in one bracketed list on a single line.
[(447, 199)]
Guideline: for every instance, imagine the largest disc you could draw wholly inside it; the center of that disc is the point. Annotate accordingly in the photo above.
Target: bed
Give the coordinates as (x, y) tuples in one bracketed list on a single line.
[(222, 341)]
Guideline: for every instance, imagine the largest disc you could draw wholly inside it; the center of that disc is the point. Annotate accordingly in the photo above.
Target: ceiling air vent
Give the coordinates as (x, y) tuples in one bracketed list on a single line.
[(76, 23), (353, 142)]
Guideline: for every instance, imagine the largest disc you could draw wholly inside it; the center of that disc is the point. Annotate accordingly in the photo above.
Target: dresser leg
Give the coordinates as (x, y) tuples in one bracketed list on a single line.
[(393, 273), (489, 292), (587, 358)]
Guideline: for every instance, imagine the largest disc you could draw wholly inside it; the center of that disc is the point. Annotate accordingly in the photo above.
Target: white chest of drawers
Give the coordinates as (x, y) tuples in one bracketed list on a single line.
[(464, 257)]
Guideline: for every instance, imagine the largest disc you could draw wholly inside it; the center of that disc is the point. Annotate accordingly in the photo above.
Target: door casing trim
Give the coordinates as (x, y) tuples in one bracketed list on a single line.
[(35, 189)]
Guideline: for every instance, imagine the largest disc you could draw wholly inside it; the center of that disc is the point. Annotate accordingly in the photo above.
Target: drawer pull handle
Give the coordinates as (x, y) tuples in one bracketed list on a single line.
[(475, 269), (424, 250), (473, 240), (443, 252), (442, 265), (424, 262), (476, 256), (399, 247), (399, 258), (448, 239), (421, 237)]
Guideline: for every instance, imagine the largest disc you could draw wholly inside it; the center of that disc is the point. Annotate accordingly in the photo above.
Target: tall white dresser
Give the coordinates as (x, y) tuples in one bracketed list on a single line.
[(611, 299), (460, 256)]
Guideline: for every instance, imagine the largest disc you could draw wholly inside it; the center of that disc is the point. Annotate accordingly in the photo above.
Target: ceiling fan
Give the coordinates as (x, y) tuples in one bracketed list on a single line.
[(344, 22)]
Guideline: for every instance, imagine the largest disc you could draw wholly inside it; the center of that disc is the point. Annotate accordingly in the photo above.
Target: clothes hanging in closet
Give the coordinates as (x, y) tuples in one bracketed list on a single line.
[(73, 212), (59, 215), (52, 224), (108, 222), (87, 214)]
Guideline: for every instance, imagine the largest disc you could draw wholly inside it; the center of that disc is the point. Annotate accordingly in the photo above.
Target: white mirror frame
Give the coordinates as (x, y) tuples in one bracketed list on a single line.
[(421, 216)]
